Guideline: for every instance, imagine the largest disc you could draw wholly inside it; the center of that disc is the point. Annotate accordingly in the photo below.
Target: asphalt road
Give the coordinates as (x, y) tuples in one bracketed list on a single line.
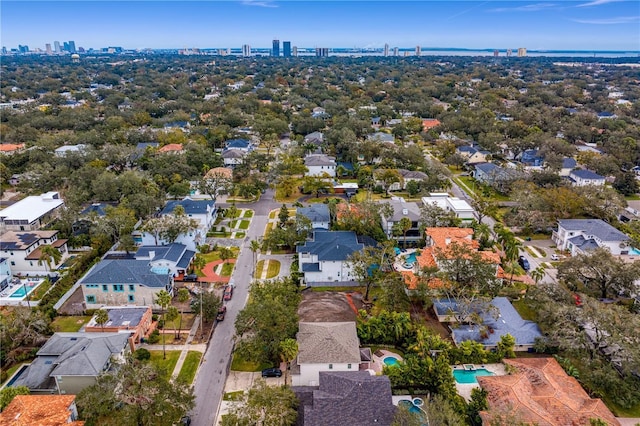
[(209, 384)]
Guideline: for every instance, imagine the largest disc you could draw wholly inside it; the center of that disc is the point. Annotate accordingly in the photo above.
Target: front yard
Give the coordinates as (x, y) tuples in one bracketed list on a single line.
[(69, 324), (165, 365)]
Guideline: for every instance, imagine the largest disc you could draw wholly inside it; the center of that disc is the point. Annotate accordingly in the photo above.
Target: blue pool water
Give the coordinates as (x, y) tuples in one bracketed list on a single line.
[(20, 292), (390, 361), (634, 252), (411, 259), (469, 376)]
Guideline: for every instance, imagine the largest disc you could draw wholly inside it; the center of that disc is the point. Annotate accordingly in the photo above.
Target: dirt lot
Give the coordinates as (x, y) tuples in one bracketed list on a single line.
[(329, 306)]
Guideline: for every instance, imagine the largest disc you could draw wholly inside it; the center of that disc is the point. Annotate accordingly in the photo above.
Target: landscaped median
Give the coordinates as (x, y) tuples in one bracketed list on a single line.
[(190, 366)]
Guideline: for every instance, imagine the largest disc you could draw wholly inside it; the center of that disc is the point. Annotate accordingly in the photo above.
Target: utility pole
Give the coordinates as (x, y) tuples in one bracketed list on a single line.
[(201, 329)]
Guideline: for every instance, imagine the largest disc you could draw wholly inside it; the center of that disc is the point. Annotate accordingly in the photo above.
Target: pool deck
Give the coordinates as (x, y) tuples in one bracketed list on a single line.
[(7, 300), (399, 264), (377, 363), (464, 389)]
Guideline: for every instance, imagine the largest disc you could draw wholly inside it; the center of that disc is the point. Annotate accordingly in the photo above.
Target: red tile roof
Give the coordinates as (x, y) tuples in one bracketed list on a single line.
[(541, 393), (11, 147), (172, 147), (430, 123), (39, 410)]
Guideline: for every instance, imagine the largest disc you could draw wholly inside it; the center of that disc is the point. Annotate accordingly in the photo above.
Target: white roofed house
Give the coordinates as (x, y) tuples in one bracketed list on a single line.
[(30, 213), (459, 207)]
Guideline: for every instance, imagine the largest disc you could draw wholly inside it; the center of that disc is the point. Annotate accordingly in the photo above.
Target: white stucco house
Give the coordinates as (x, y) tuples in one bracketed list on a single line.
[(323, 258), (320, 165), (582, 235), (317, 213), (324, 346), (30, 213), (21, 249), (581, 177), (459, 207)]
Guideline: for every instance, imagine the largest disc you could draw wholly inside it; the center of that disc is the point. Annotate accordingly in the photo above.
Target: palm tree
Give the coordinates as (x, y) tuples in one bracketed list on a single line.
[(511, 251), (102, 317), (48, 252), (255, 248), (183, 296), (405, 225), (163, 299), (288, 352), (537, 274)]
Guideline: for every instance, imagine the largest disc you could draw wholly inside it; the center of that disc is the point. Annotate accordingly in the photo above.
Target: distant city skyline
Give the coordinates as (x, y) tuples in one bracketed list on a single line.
[(588, 25)]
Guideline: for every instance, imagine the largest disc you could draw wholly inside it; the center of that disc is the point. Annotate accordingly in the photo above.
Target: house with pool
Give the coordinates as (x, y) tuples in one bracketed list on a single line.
[(402, 209), (498, 318), (23, 251)]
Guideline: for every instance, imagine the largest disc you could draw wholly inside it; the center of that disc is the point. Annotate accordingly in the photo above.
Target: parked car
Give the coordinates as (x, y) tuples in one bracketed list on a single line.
[(555, 257), (271, 372), (190, 277), (228, 292), (185, 421), (221, 313), (522, 261)]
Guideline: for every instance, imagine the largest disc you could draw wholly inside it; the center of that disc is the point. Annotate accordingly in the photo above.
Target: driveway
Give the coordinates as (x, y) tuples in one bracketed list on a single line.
[(210, 381)]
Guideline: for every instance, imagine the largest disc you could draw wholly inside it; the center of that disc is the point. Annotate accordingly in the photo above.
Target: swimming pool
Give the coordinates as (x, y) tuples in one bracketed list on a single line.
[(410, 405), (634, 251), (469, 376), (20, 292), (411, 259), (390, 361)]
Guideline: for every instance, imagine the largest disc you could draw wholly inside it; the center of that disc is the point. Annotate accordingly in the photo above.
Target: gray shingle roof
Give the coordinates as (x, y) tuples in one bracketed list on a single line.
[(381, 137), (353, 398), (328, 342), (331, 245), (172, 252), (72, 354), (190, 206), (315, 212), (596, 227), (586, 174), (233, 153), (508, 321), (400, 207), (319, 160), (237, 143), (125, 271), (412, 174), (569, 163)]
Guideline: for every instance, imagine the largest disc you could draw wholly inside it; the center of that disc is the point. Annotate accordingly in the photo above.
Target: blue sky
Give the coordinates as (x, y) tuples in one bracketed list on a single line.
[(541, 24)]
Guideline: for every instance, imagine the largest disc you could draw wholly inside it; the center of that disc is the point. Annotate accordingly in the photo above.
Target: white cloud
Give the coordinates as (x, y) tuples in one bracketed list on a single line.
[(526, 8), (610, 21), (259, 3), (597, 3)]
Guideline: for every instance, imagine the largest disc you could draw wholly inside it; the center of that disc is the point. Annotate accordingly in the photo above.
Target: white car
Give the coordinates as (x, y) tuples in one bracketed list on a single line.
[(555, 257)]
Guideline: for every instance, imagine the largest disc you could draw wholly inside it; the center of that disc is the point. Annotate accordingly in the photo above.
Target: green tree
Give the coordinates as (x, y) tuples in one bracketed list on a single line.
[(538, 274), (225, 253), (102, 317), (48, 253), (7, 394), (254, 246), (506, 345), (283, 215), (369, 265), (478, 403), (136, 393), (210, 305), (183, 297), (163, 299), (405, 225), (171, 315), (264, 405), (288, 352)]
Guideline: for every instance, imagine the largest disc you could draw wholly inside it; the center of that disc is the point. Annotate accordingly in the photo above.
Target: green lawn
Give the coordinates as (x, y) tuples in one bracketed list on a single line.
[(268, 228), (248, 213), (11, 370), (244, 224), (525, 310), (69, 324), (187, 322), (227, 269), (233, 396), (273, 214), (259, 268), (240, 364), (632, 198), (40, 290), (239, 234), (188, 370), (273, 269), (166, 365)]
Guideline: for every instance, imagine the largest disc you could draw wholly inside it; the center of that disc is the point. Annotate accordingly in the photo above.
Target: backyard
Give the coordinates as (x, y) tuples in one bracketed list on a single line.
[(69, 324)]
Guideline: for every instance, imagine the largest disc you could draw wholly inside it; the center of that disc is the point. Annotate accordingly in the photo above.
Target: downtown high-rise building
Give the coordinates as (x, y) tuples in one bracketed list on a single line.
[(418, 51), (56, 47), (47, 48), (294, 52), (275, 51), (286, 49), (396, 51), (509, 52), (386, 49), (496, 53), (322, 52), (522, 52), (246, 50)]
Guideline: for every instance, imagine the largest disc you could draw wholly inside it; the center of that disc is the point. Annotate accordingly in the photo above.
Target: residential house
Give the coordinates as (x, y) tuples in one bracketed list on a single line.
[(317, 213), (181, 125), (429, 123), (532, 158), (117, 282), (410, 176), (582, 235), (402, 209), (325, 346), (171, 148), (5, 273), (83, 224), (346, 398), (568, 164), (606, 115), (319, 165), (30, 213), (11, 148), (70, 362), (175, 257), (315, 138), (473, 154), (540, 392), (204, 212), (65, 150), (459, 207), (141, 149), (499, 318), (375, 122), (134, 321), (633, 207), (241, 144), (41, 410), (381, 137), (233, 157), (323, 259), (582, 177), (492, 174), (23, 250)]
